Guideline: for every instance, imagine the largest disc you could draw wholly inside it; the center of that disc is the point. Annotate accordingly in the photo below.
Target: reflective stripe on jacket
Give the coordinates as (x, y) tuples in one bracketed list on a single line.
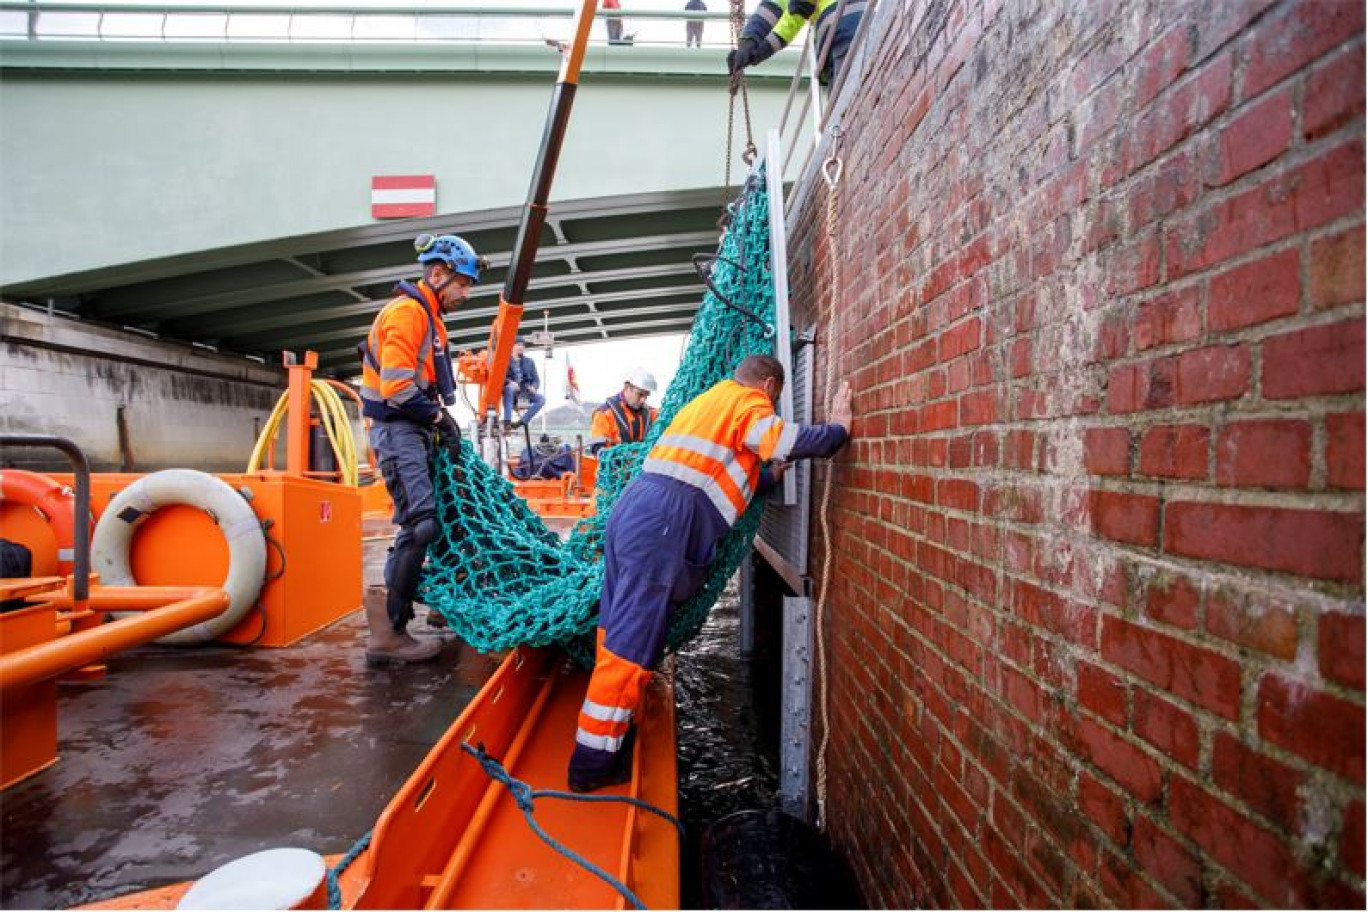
[(774, 25), (615, 422), (398, 374), (717, 442)]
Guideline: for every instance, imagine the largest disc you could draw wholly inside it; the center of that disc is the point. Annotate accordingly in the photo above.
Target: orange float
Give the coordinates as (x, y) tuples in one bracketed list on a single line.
[(40, 513)]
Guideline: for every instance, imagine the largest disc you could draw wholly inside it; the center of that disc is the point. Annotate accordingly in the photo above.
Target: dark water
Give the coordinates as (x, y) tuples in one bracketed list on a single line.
[(728, 740)]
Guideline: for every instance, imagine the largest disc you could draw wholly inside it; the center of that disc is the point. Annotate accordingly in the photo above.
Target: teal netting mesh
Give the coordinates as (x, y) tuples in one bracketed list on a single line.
[(501, 578)]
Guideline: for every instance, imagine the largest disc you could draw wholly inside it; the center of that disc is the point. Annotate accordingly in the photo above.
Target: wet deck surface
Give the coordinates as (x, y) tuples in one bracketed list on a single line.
[(184, 759)]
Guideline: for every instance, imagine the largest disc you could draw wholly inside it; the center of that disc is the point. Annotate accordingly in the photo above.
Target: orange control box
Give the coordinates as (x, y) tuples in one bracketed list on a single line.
[(313, 550)]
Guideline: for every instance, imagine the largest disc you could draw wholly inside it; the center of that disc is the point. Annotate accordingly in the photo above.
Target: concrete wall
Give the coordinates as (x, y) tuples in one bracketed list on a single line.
[(1097, 623), (183, 407), (143, 165)]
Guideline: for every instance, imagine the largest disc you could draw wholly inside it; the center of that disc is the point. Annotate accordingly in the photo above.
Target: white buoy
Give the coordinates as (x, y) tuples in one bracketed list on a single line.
[(273, 879)]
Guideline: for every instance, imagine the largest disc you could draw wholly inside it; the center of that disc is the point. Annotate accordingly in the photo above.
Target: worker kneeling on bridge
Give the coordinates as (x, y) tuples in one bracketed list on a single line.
[(774, 24), (624, 417), (662, 535), (406, 377)]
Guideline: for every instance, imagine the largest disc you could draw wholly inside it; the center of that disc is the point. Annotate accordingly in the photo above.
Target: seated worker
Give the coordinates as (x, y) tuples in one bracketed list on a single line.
[(775, 23), (624, 417), (521, 379), (663, 533)]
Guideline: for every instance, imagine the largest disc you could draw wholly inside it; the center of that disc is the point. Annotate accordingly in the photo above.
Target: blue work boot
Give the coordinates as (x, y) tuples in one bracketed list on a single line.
[(591, 770)]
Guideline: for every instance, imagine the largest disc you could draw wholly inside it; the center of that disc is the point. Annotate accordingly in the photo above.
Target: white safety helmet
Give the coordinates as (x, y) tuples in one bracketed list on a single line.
[(641, 378)]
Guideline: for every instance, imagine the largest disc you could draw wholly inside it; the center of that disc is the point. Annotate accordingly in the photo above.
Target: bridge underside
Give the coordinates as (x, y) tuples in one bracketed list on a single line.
[(607, 268)]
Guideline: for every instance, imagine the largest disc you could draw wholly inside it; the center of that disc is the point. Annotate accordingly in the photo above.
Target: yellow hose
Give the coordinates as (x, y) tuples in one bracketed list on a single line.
[(333, 417)]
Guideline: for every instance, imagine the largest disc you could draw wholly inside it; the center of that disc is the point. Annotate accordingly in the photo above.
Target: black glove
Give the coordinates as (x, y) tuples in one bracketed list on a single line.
[(743, 56), (450, 431)]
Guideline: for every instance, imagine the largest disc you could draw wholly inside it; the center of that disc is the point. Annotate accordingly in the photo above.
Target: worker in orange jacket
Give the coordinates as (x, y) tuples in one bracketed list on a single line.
[(624, 417), (406, 378), (663, 533)]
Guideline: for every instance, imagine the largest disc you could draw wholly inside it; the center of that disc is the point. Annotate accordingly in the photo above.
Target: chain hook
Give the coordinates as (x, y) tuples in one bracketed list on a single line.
[(748, 156)]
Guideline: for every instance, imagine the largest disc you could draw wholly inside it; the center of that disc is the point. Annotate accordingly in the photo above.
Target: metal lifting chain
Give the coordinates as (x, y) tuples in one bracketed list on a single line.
[(738, 83), (831, 172)]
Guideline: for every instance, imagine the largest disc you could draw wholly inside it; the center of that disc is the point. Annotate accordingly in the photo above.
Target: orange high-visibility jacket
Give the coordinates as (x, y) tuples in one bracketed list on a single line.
[(717, 442), (398, 375), (615, 423)]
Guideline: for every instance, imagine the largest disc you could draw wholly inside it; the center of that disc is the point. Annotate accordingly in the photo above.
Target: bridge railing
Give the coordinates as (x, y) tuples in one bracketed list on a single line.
[(442, 23)]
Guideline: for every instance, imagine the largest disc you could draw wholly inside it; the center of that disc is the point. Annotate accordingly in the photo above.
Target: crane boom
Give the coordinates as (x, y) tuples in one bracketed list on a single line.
[(504, 330)]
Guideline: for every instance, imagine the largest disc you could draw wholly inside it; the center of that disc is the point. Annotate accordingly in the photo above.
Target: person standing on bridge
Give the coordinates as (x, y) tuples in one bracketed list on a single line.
[(663, 533), (693, 29), (775, 23), (624, 417), (405, 374)]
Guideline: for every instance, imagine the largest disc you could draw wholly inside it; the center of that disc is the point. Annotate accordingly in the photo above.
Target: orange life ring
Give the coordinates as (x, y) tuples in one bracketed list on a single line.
[(53, 501)]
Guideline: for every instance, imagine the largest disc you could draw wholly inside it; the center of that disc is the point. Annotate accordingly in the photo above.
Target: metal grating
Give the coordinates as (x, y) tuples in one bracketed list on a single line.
[(785, 528)]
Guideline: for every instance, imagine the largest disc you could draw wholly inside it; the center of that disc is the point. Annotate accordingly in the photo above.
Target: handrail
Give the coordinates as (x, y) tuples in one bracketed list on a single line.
[(81, 475), (285, 17)]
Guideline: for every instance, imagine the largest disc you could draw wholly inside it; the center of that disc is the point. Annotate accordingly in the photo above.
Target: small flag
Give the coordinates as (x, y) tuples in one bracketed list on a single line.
[(571, 384), (403, 195)]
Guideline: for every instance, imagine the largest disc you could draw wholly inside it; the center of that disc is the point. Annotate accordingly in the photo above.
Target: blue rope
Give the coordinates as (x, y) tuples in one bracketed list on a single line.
[(334, 888), (524, 795)]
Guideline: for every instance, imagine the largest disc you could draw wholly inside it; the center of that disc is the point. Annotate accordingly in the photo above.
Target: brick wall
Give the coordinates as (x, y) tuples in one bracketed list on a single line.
[(1096, 622)]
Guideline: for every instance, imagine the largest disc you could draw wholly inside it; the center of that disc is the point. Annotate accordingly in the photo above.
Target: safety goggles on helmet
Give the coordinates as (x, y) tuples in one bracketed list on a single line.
[(451, 250)]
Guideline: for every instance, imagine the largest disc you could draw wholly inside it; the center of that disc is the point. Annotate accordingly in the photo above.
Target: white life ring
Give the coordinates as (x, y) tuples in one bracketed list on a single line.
[(109, 549)]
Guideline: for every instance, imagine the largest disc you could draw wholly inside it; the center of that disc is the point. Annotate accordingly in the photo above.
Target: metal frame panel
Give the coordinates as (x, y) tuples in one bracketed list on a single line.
[(795, 725)]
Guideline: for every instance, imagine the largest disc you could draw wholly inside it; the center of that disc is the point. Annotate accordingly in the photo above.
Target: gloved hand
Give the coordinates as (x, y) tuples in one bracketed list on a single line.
[(447, 427), (743, 56)]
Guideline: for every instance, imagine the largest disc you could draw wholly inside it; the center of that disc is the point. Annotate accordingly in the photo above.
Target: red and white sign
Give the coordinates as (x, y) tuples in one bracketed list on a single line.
[(403, 195)]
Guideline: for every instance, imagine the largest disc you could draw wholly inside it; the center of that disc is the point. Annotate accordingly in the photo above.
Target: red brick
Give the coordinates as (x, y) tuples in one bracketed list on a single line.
[(1106, 451), (1344, 436), (1169, 318), (1102, 692), (1269, 628), (1312, 724), (960, 339), (1172, 186), (1337, 268), (1324, 189), (1256, 136), (1265, 784), (1339, 647), (1296, 35), (1334, 94), (957, 494), (1256, 292), (1268, 454), (1351, 840), (1315, 361), (1172, 601), (1305, 542), (1162, 64), (1127, 518), (1167, 727), (1104, 808), (1199, 675), (1128, 765), (1212, 374), (1175, 451), (1255, 855), (1168, 862), (1140, 387), (1194, 103), (978, 408)]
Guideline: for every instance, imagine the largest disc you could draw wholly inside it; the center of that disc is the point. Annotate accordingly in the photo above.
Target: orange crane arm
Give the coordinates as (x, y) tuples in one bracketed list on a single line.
[(505, 328)]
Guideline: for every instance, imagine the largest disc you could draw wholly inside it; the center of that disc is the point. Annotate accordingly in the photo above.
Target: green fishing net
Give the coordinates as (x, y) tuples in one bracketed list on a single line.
[(501, 578)]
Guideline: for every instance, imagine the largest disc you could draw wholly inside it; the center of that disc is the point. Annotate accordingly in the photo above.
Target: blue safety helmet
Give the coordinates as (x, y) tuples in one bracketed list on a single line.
[(451, 250)]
